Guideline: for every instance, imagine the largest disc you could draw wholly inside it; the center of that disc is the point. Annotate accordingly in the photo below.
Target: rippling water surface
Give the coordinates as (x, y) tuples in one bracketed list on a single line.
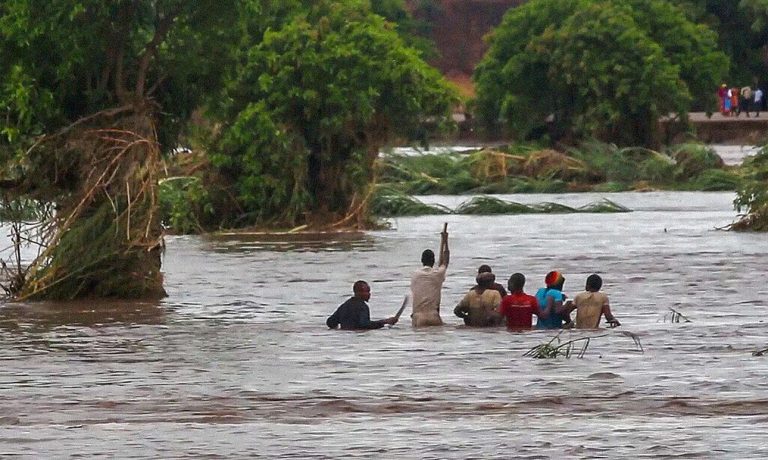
[(237, 362)]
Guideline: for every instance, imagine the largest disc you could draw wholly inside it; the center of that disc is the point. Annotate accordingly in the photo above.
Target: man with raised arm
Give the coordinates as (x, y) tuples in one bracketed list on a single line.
[(427, 284), (354, 313)]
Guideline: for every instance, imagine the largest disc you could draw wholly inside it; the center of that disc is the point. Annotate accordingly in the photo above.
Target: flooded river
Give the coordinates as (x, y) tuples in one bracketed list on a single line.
[(237, 362)]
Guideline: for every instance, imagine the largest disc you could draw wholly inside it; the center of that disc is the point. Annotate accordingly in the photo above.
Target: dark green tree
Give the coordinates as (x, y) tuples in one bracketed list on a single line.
[(595, 68), (308, 107), (742, 35), (89, 93)]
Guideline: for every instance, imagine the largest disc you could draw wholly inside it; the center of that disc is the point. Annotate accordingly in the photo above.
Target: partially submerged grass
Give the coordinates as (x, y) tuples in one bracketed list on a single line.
[(556, 347), (484, 205), (592, 166), (391, 203)]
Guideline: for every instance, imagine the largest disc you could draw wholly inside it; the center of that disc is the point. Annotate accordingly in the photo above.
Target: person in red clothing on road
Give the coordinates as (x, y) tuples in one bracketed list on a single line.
[(518, 307)]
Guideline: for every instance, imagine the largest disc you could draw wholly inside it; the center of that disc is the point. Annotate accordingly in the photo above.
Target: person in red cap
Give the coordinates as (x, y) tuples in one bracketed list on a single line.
[(551, 299)]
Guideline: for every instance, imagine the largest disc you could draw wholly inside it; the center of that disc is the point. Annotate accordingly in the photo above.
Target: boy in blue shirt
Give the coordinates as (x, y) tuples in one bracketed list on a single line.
[(552, 297)]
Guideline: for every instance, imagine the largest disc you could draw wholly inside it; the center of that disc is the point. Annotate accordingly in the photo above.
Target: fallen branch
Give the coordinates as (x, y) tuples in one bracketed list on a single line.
[(556, 348)]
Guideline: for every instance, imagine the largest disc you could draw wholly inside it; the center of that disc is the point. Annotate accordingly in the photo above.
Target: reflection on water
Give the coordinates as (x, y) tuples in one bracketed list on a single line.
[(289, 242), (237, 363)]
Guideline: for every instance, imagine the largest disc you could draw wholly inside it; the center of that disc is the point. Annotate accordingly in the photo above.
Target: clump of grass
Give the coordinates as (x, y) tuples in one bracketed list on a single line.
[(489, 165), (715, 180), (610, 163), (603, 206), (487, 205), (556, 348), (693, 159), (591, 166), (611, 187), (391, 203), (551, 164)]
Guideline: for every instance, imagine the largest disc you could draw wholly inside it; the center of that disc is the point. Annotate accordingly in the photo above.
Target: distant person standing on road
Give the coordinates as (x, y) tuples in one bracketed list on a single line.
[(722, 93), (745, 102), (758, 102)]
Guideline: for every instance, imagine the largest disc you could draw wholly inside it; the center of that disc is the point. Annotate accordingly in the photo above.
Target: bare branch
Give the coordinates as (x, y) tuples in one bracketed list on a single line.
[(150, 51)]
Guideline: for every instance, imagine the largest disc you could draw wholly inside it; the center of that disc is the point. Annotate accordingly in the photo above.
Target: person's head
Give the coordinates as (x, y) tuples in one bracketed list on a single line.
[(484, 269), (428, 258), (361, 290), (516, 282), (594, 282), (485, 279), (554, 280)]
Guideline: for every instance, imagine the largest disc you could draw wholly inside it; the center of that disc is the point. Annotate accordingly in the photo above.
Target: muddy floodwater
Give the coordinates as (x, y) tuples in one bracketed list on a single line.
[(237, 361)]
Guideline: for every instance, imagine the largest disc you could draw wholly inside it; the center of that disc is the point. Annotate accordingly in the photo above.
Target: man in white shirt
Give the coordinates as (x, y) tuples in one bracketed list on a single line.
[(426, 286), (758, 101)]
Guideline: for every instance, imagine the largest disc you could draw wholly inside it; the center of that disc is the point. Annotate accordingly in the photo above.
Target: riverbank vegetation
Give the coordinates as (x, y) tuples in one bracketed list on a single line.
[(295, 99), (752, 195), (592, 166), (286, 106)]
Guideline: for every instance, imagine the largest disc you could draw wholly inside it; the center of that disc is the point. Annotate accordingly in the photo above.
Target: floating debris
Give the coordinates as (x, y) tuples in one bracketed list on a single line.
[(674, 316), (556, 348)]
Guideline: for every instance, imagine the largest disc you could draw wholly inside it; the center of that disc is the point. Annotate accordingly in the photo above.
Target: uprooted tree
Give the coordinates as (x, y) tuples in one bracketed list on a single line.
[(89, 90), (303, 93)]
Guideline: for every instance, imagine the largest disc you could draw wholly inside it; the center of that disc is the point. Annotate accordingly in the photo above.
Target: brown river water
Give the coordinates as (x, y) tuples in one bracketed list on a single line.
[(237, 361)]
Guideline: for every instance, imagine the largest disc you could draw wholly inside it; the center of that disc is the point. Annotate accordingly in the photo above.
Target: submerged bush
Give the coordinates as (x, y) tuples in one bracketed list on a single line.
[(390, 203), (694, 159), (591, 166), (752, 194), (714, 180), (484, 205), (487, 205), (183, 201)]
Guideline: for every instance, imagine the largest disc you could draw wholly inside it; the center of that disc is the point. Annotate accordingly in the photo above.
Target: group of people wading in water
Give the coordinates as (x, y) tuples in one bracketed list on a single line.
[(487, 304)]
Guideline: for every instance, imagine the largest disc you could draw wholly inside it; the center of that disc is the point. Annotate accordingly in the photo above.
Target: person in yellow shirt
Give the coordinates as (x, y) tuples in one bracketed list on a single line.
[(479, 307), (591, 305)]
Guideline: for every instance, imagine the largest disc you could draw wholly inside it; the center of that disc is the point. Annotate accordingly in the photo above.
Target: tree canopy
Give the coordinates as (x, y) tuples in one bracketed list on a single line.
[(89, 91), (301, 95), (596, 68), (308, 106)]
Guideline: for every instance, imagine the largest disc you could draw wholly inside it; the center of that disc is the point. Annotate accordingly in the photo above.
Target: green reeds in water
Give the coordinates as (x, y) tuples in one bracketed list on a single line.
[(391, 203), (481, 205), (486, 205), (556, 347)]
